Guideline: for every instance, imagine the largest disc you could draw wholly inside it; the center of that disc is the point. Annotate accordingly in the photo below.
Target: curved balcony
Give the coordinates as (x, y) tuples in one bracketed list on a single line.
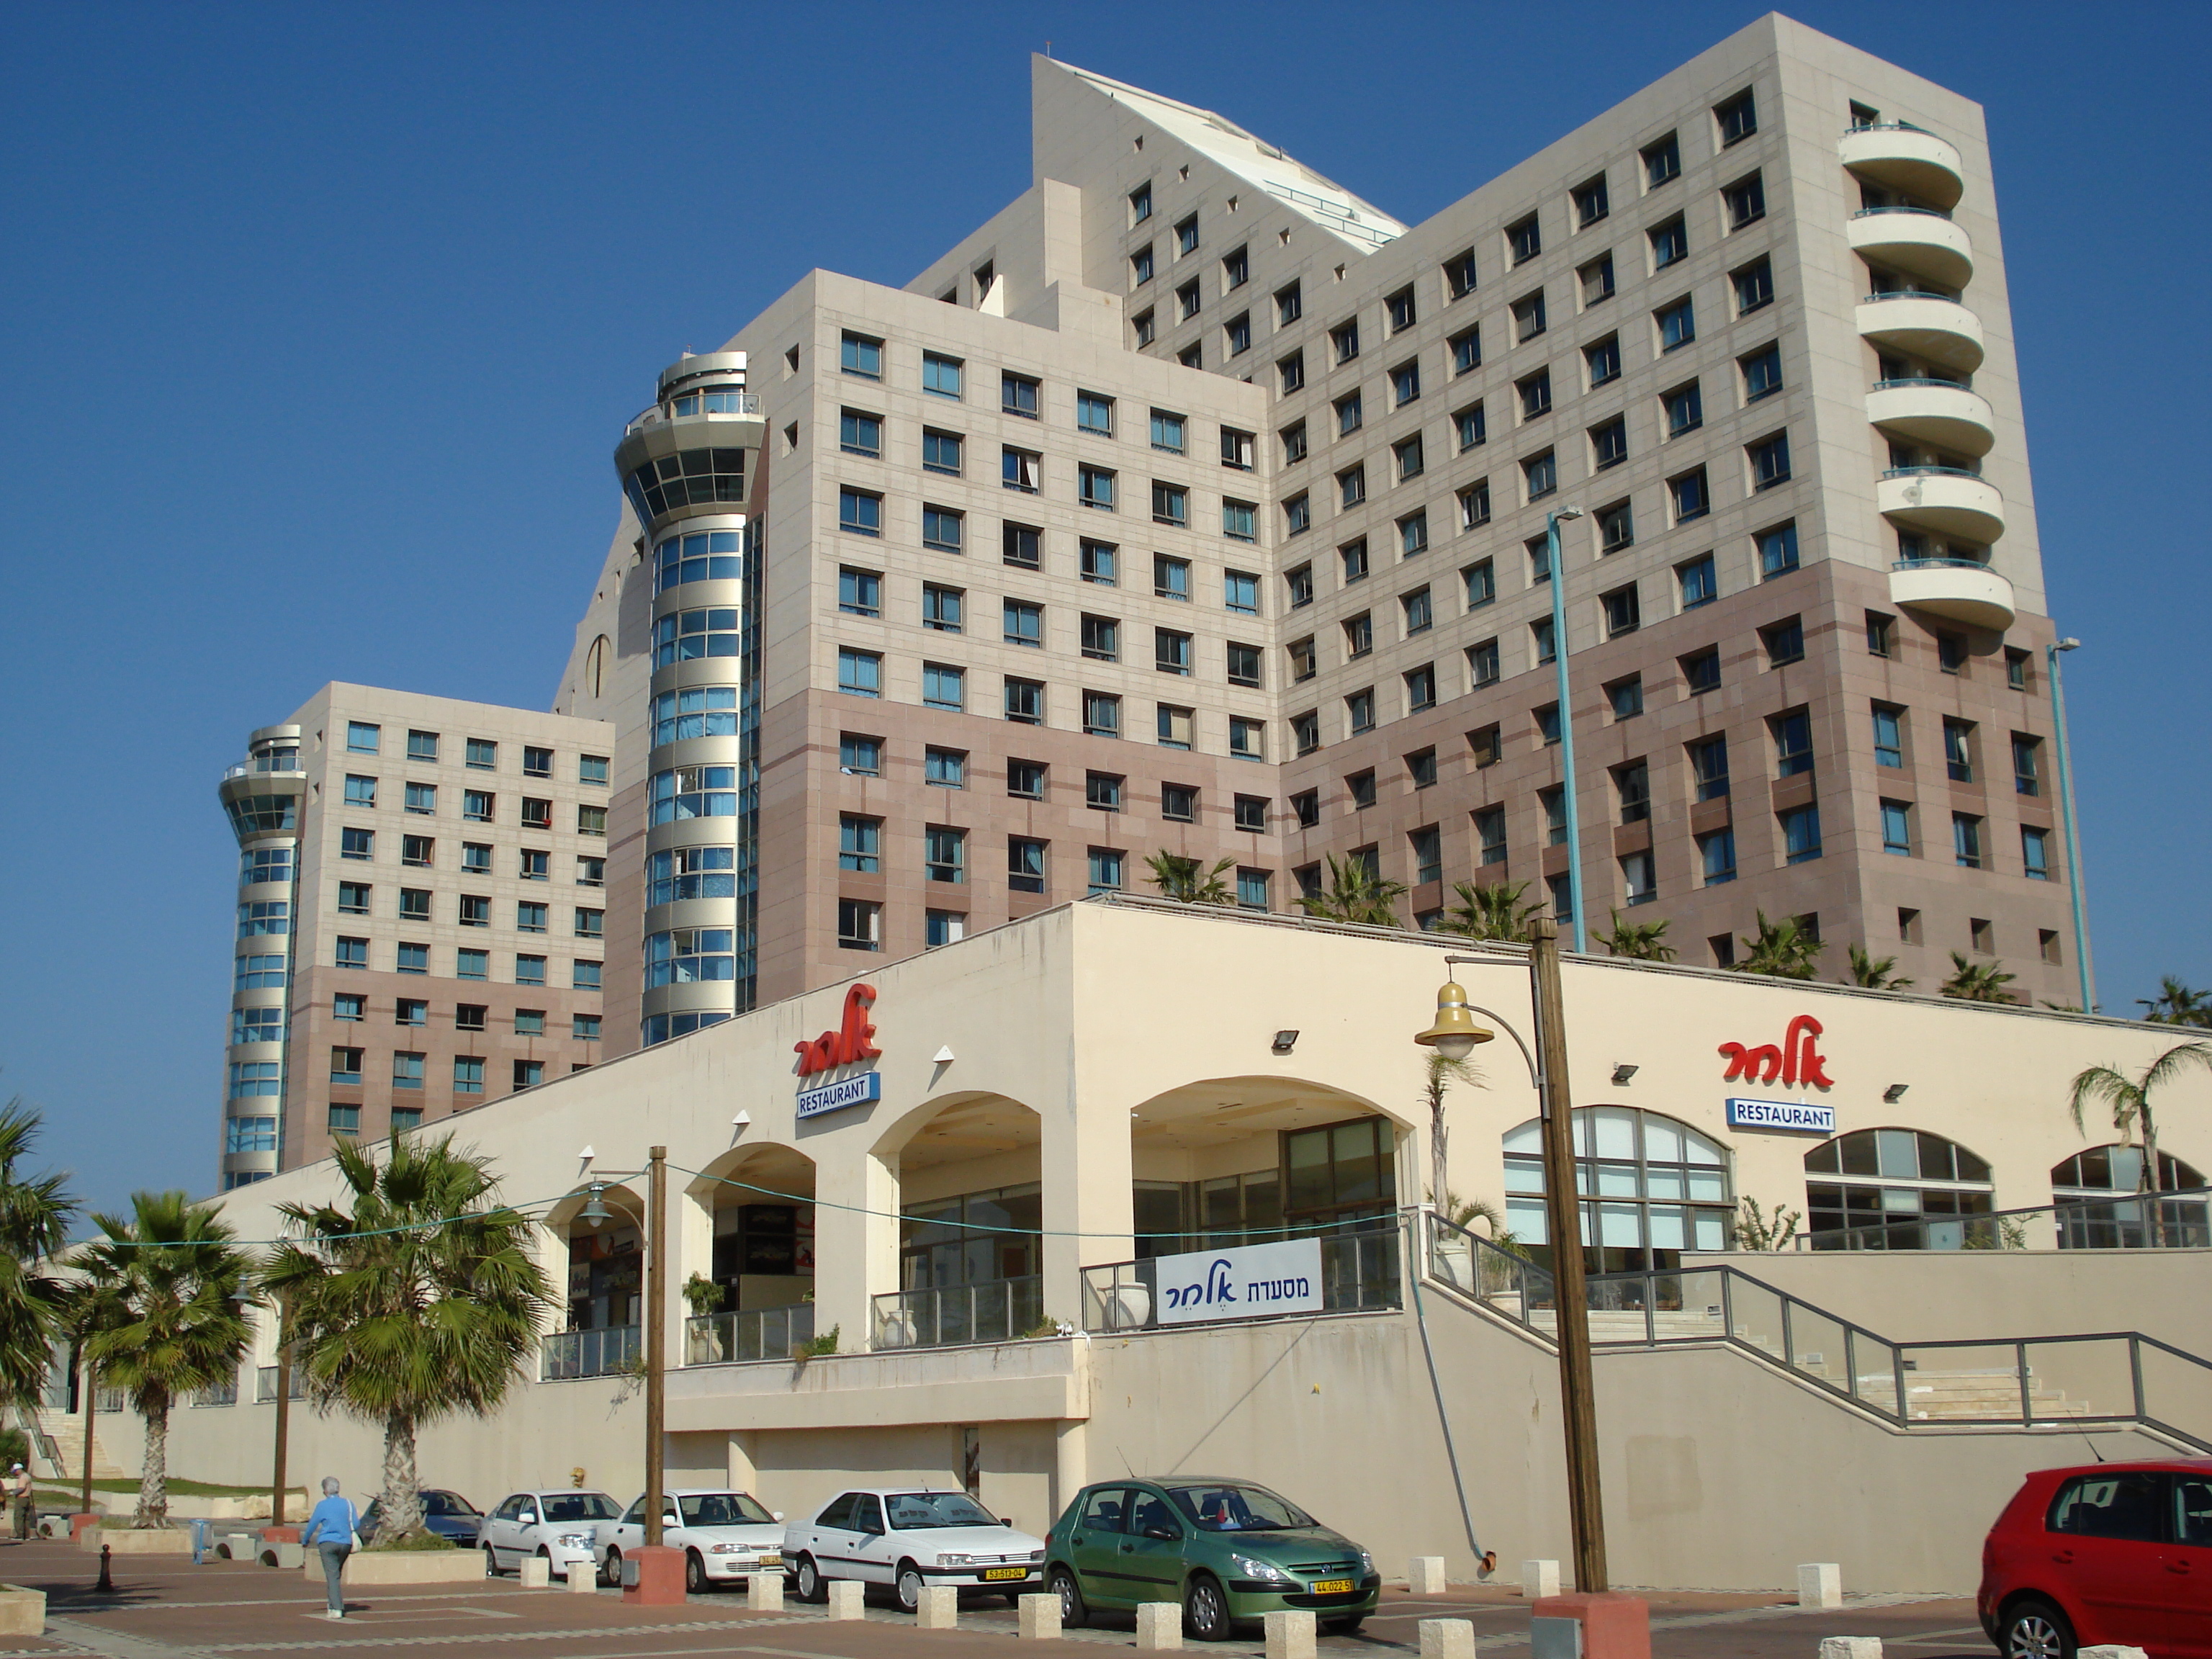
[(1903, 158), (1959, 590), (1942, 500), (1916, 241), (1940, 414), (1925, 326)]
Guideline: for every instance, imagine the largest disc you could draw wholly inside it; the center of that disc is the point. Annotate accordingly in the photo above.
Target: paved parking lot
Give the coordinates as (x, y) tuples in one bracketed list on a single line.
[(167, 1609)]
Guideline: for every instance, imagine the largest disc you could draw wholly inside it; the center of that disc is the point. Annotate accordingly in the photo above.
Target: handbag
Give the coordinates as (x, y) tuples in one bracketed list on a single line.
[(353, 1526)]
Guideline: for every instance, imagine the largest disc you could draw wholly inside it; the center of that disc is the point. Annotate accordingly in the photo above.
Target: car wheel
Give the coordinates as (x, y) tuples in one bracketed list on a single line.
[(695, 1574), (806, 1578), (2033, 1629), (546, 1556), (491, 1562), (1073, 1612), (909, 1586), (1206, 1609), (611, 1569)]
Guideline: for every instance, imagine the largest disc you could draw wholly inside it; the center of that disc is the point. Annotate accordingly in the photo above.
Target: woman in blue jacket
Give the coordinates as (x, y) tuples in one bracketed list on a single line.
[(331, 1529)]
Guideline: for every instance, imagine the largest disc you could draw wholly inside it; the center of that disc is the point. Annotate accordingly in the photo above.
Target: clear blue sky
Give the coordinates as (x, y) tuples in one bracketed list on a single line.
[(320, 323)]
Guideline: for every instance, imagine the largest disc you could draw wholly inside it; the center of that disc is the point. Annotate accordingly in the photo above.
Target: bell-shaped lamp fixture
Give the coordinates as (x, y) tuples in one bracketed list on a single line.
[(1454, 1034), (595, 1214)]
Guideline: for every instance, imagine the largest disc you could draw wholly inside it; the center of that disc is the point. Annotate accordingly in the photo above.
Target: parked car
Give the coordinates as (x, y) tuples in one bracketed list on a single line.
[(1227, 1549), (2105, 1553), (723, 1535), (556, 1524), (448, 1514), (908, 1539)]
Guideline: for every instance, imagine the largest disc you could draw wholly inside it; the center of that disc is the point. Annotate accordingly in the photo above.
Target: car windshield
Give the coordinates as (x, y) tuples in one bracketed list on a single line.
[(1238, 1508), (580, 1506), (722, 1509), (915, 1511), (446, 1503)]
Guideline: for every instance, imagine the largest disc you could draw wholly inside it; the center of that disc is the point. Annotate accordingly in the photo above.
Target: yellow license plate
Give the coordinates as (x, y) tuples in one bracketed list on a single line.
[(1334, 1586), (771, 1561), (1005, 1572)]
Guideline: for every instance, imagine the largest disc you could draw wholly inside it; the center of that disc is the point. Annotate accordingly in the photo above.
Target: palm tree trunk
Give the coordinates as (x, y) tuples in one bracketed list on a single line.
[(154, 1471), (402, 1502), (2150, 1175), (1439, 1191)]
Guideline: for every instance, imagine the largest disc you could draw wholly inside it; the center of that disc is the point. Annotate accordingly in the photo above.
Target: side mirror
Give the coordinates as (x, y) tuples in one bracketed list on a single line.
[(525, 1519), (1003, 1521), (776, 1514)]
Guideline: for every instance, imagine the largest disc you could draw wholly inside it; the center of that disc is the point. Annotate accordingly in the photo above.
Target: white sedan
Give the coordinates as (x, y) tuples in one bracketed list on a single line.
[(556, 1525), (723, 1535), (907, 1539)]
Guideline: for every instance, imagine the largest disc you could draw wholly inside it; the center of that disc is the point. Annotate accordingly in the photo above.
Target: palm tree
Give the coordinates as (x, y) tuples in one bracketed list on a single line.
[(1638, 941), (2176, 1005), (1974, 982), (1187, 882), (1490, 912), (163, 1314), (35, 1218), (422, 1302), (1874, 973), (2128, 1098), (1356, 893), (1439, 1073), (1782, 950)]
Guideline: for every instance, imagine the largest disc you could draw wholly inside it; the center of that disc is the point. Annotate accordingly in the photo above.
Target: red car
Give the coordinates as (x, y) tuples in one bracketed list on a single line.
[(2109, 1553)]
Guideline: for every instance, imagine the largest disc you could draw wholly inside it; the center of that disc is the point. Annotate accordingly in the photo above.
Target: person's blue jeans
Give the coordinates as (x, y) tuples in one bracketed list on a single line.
[(334, 1560)]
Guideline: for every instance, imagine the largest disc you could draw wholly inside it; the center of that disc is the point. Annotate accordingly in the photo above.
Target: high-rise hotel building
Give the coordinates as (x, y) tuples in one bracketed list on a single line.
[(1195, 505)]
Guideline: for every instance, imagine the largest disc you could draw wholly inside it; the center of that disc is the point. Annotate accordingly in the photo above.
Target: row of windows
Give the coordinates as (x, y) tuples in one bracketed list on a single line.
[(862, 756), (532, 864), (261, 865), (407, 1073), (477, 806), (686, 955), (411, 958), (480, 754), (1098, 562), (861, 432), (472, 910), (351, 1007), (860, 511), (1107, 869)]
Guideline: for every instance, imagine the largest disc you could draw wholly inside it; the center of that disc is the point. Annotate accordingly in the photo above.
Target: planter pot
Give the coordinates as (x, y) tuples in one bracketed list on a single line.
[(367, 1567), (1128, 1306), (1455, 1259), (23, 1611)]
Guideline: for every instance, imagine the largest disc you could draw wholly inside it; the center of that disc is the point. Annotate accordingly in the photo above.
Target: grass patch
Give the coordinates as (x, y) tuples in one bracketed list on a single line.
[(421, 1541)]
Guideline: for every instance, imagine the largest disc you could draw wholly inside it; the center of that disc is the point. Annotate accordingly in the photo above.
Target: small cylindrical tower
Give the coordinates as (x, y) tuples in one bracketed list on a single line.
[(687, 465), (263, 797)]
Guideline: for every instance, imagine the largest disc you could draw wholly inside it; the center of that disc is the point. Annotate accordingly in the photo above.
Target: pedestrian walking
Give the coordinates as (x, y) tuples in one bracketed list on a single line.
[(333, 1529), (18, 1499)]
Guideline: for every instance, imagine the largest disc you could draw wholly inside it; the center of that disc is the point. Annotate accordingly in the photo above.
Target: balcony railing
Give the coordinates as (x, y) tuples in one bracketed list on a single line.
[(731, 1339), (990, 1310), (730, 403), (1869, 212), (1939, 564), (1964, 385), (1931, 472), (1359, 1273), (564, 1356), (1911, 293), (2179, 1220)]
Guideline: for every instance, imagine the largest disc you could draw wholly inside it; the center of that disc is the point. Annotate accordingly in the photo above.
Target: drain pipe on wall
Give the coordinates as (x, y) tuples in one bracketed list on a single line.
[(1485, 1561)]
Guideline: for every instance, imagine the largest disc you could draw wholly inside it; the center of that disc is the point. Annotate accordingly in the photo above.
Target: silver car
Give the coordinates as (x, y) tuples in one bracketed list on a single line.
[(556, 1524), (907, 1539), (724, 1535)]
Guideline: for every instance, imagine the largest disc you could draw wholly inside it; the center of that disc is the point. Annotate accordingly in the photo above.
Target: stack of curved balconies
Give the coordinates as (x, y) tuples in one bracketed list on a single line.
[(1947, 517), (263, 797), (687, 465)]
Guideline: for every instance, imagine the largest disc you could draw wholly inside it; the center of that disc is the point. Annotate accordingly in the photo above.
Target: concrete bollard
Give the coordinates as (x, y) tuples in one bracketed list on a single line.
[(584, 1580), (847, 1598), (285, 1554), (1850, 1647), (1289, 1633), (2108, 1651), (764, 1591), (535, 1572), (238, 1546), (1447, 1639), (1820, 1584), (1539, 1579), (1040, 1617), (938, 1608), (1159, 1624), (1427, 1577)]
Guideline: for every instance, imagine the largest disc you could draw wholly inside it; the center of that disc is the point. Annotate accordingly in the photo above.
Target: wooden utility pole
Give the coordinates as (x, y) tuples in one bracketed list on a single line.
[(656, 1340), (283, 1414), (91, 1387), (1569, 1297)]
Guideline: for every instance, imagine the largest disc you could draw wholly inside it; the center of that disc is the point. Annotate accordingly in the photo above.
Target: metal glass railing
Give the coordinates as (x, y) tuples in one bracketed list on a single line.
[(1359, 1271), (1940, 564), (1930, 213), (2179, 1220), (564, 1356), (1965, 384), (731, 1339), (2101, 1378), (1931, 472), (1910, 294), (990, 1310)]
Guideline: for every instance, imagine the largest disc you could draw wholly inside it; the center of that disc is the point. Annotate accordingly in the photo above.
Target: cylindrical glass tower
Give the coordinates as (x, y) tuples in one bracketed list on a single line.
[(263, 797), (687, 465)]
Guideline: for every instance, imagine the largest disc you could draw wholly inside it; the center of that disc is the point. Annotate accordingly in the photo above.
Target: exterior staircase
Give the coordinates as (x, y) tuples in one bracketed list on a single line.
[(61, 1435)]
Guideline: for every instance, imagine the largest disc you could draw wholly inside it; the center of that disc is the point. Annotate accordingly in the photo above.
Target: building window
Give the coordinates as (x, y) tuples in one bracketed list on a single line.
[(1482, 664), (1801, 835), (1897, 828), (1095, 487), (1626, 697), (944, 686), (1785, 642), (1106, 869), (1405, 454), (860, 592), (1958, 751), (860, 354), (1632, 785), (943, 529), (361, 791), (1236, 335), (1291, 371), (1640, 879), (1665, 1187), (1290, 306), (1622, 613), (1967, 840), (1359, 711), (1889, 735), (2027, 764), (1021, 469), (406, 1070), (1025, 864), (1101, 714), (1690, 496), (1102, 639), (1297, 515), (860, 757), (1528, 319), (2035, 853), (859, 674), (1405, 384), (1770, 463), (1754, 287), (1793, 743), (1717, 857), (1171, 578), (1677, 323), (472, 964), (1466, 348), (1746, 201), (1094, 413), (1540, 475), (1709, 766), (859, 513), (1738, 117), (1662, 161), (1294, 442), (860, 844), (1908, 1189), (941, 376), (940, 452), (1306, 732), (1025, 701), (944, 854), (860, 433), (1023, 623), (1174, 725), (1420, 687), (943, 608), (1609, 444)]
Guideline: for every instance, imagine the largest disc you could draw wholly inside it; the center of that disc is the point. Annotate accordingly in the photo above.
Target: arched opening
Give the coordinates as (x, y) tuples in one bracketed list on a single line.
[(1895, 1190), (2093, 1215), (1651, 1186), (603, 1225), (759, 1301), (971, 1217), (595, 668)]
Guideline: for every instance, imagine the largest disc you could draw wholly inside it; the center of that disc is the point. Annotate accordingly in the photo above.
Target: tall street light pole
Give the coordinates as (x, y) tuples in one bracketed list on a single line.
[(2066, 810), (656, 1340), (283, 1413), (1455, 1036), (1567, 723)]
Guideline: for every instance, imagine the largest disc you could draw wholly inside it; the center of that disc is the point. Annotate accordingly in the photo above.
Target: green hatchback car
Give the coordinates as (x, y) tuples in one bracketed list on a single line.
[(1227, 1550)]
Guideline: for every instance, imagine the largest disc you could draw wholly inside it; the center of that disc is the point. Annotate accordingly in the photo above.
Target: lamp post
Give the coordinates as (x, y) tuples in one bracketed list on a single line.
[(1552, 522), (1455, 1036), (656, 1327), (2051, 653)]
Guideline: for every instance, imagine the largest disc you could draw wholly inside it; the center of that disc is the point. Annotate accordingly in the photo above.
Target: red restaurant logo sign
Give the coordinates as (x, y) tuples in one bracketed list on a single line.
[(849, 1044), (1796, 1061)]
